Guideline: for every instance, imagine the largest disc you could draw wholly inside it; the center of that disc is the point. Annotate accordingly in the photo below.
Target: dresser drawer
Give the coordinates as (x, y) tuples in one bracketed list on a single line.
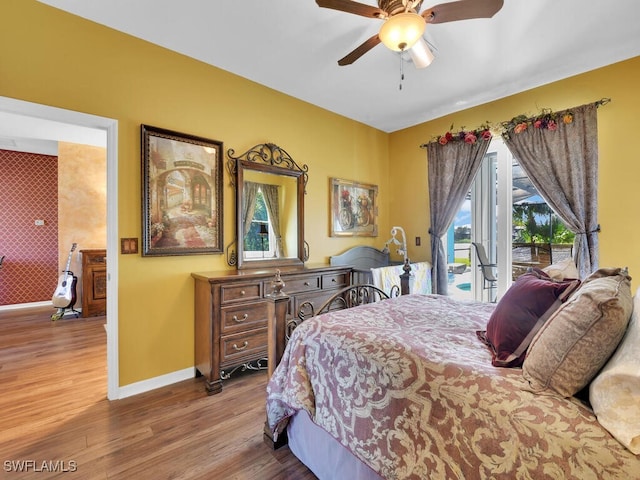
[(243, 346), (316, 299), (240, 292), (245, 316), (298, 284), (335, 280), (96, 260)]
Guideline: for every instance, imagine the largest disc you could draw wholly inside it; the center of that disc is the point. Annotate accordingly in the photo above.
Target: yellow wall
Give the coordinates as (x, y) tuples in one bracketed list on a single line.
[(53, 58), (619, 168)]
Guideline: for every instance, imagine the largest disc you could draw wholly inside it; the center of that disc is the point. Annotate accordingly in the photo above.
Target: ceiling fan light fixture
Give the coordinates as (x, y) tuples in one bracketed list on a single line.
[(400, 32), (421, 54)]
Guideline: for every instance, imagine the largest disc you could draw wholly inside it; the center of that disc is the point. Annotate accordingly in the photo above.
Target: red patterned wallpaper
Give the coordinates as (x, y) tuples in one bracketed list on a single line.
[(28, 192)]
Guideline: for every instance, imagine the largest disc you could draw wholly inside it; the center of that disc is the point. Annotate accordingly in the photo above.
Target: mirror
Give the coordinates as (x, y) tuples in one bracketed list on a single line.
[(270, 190)]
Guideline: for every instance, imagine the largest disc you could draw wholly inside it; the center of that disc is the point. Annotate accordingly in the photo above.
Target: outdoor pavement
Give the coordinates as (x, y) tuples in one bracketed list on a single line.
[(458, 282), (460, 285)]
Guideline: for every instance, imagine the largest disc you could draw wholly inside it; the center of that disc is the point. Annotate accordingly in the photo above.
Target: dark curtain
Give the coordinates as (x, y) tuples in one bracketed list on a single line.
[(563, 165), (452, 168)]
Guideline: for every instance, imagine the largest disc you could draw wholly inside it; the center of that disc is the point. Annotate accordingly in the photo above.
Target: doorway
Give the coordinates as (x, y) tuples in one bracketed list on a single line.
[(505, 214), (51, 123)]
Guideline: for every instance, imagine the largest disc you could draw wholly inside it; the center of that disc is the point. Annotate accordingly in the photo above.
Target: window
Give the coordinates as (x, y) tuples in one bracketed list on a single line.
[(259, 239)]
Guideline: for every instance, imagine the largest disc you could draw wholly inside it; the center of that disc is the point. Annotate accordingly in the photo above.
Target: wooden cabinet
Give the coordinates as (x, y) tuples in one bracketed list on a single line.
[(231, 314), (94, 282)]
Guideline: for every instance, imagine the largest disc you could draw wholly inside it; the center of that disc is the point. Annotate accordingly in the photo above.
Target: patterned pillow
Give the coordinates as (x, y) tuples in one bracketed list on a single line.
[(615, 392), (562, 269), (523, 309), (579, 338)]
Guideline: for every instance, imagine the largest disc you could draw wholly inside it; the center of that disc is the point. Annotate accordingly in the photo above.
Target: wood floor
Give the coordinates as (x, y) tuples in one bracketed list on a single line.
[(54, 415)]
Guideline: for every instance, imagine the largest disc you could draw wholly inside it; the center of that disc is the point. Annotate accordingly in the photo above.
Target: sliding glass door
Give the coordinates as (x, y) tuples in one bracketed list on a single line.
[(505, 214)]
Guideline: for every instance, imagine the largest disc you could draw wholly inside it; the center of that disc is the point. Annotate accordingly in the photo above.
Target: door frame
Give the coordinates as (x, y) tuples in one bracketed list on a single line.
[(109, 127), (504, 237)]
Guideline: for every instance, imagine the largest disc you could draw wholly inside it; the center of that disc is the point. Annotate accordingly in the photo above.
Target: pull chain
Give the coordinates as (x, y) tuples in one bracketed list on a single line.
[(401, 69)]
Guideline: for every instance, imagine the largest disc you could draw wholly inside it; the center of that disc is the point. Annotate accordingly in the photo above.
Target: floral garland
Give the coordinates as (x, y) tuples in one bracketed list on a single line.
[(468, 136), (545, 120)]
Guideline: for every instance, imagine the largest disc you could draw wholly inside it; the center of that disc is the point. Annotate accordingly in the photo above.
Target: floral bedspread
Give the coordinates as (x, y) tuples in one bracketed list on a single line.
[(409, 389)]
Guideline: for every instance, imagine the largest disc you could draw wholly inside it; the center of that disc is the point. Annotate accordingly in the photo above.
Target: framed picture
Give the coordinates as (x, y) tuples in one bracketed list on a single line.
[(354, 209), (181, 193)]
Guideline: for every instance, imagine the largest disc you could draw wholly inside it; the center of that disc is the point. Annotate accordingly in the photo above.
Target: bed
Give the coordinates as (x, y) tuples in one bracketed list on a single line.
[(370, 266), (362, 259), (404, 389)]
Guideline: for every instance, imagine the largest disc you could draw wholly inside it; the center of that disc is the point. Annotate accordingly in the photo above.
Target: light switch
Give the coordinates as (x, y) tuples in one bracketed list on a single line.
[(128, 245)]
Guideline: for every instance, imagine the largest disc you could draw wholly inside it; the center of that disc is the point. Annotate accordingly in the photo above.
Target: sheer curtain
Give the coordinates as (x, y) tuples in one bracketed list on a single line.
[(562, 164), (451, 168)]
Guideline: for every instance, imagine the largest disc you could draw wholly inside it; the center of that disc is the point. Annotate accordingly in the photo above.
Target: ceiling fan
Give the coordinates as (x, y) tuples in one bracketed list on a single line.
[(403, 26)]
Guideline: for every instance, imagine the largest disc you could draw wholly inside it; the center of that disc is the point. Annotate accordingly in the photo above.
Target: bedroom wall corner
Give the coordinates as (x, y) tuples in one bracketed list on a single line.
[(618, 165)]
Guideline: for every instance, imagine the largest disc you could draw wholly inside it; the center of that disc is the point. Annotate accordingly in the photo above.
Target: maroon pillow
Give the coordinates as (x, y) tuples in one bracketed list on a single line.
[(523, 309)]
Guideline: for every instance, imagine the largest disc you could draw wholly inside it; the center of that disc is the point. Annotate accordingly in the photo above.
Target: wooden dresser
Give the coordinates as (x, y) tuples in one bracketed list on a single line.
[(231, 314), (94, 282)]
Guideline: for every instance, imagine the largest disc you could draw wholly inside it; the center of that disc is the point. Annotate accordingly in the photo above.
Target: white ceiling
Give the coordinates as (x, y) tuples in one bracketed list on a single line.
[(24, 133), (293, 47)]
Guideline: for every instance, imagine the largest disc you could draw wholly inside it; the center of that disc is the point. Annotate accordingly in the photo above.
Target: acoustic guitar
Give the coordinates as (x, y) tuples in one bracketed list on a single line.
[(65, 293)]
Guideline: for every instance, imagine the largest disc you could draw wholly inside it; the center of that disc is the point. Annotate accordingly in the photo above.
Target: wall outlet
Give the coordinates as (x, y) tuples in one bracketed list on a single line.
[(39, 223), (417, 241)]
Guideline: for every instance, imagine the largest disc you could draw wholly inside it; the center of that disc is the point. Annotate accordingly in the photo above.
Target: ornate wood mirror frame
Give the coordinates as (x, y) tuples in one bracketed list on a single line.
[(270, 189)]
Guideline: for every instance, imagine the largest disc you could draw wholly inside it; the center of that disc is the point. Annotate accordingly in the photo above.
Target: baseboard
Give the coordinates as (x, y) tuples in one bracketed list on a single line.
[(18, 306), (156, 382)]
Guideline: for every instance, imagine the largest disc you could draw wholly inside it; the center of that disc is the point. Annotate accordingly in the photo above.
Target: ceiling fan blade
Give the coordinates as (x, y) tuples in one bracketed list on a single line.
[(462, 10), (353, 7), (421, 54), (359, 51)]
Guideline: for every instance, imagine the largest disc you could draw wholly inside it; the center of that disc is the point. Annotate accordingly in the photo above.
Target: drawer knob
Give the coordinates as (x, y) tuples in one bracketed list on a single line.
[(244, 345), (333, 280), (242, 292), (306, 284), (239, 320)]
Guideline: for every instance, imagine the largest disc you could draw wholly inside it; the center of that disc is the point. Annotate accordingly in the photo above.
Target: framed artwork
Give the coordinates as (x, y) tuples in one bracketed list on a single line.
[(354, 209), (181, 193)]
